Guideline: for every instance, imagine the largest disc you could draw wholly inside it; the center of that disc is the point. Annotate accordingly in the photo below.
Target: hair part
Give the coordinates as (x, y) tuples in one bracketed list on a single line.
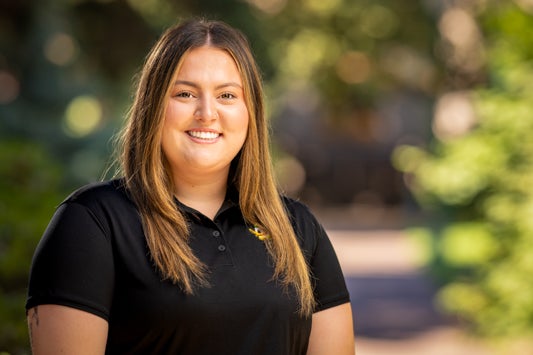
[(147, 175)]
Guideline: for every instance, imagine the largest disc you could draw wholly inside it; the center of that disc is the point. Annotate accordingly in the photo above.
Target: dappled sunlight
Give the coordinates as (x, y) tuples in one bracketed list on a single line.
[(409, 66), (462, 47), (156, 12), (406, 126), (60, 49), (306, 52), (9, 87), (468, 244), (354, 67), (323, 7), (270, 7), (526, 5), (461, 297), (454, 115), (463, 168), (378, 21), (477, 175), (82, 116), (290, 174)]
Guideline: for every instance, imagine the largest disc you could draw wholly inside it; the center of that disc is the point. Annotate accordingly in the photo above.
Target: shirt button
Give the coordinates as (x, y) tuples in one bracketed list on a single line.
[(221, 247), (216, 234)]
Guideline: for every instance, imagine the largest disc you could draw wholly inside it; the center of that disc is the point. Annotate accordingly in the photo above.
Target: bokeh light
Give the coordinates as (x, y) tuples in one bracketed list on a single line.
[(9, 87), (468, 244), (354, 67), (291, 174), (463, 47), (346, 82), (82, 116), (157, 12), (306, 52), (408, 66), (270, 7), (526, 5), (378, 21), (60, 49), (454, 115), (323, 7)]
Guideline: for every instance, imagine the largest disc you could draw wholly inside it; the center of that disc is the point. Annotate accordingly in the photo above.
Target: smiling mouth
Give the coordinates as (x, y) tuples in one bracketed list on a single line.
[(203, 135)]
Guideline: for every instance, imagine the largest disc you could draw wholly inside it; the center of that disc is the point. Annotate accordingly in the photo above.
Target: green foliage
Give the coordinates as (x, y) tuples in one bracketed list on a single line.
[(480, 184), (348, 50), (66, 69), (29, 191), (62, 51)]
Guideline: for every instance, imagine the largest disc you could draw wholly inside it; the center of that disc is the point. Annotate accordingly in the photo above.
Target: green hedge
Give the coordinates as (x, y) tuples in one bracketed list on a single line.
[(29, 191), (480, 186)]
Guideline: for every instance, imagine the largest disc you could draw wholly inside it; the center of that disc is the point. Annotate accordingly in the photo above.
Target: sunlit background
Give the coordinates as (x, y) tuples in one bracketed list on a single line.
[(406, 125)]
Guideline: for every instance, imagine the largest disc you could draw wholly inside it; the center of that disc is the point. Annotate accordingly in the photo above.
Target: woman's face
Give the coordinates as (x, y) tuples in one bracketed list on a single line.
[(206, 118)]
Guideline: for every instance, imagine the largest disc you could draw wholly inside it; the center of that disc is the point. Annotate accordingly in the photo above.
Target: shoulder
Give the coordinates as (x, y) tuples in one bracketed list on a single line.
[(104, 204), (308, 229), (299, 212), (99, 193)]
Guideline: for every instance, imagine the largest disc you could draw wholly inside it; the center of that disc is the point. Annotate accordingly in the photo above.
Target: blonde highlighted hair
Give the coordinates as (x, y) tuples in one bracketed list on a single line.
[(147, 176)]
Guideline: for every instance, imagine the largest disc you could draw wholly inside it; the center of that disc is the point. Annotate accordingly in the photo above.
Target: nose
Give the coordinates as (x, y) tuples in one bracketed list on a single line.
[(206, 110)]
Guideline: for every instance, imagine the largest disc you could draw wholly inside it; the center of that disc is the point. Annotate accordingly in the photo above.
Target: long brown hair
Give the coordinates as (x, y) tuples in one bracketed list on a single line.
[(148, 179)]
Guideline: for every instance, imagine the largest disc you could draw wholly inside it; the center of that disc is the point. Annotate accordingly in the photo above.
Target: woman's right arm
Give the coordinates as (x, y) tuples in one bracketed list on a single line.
[(58, 329), (72, 265)]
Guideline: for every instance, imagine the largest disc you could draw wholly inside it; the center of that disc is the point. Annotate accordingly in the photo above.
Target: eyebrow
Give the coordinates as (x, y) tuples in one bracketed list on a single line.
[(220, 86)]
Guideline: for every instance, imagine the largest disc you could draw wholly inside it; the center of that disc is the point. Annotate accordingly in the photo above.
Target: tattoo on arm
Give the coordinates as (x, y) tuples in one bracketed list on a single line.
[(33, 321), (35, 316)]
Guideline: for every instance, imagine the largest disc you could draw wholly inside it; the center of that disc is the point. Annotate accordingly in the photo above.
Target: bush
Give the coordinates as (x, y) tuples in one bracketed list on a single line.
[(29, 191), (480, 185)]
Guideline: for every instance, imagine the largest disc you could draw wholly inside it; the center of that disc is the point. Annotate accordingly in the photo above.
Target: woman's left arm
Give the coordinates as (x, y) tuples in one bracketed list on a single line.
[(332, 332)]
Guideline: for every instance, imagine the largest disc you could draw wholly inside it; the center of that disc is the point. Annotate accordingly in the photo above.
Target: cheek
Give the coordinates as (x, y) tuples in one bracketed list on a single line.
[(169, 129), (235, 122), (178, 113), (172, 114), (243, 122), (165, 140)]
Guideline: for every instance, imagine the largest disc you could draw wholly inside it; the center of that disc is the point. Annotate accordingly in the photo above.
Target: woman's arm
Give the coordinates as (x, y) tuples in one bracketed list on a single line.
[(63, 330), (332, 332)]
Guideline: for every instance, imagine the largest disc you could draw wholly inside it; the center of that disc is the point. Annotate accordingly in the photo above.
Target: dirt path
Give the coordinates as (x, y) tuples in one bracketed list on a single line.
[(392, 298)]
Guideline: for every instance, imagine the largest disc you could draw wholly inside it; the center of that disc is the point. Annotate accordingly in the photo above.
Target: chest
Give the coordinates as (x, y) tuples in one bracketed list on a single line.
[(242, 301)]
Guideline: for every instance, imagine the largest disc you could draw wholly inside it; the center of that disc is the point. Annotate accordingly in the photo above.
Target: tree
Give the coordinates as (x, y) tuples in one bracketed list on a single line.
[(477, 180), (67, 66)]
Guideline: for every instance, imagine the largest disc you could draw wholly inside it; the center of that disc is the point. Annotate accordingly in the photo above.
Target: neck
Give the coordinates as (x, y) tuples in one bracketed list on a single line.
[(203, 193)]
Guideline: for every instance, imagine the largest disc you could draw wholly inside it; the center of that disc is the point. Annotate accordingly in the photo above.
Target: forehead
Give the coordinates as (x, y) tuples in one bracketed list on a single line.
[(209, 64)]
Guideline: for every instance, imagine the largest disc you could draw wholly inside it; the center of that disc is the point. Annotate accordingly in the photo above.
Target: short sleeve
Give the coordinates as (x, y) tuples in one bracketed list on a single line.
[(328, 280), (330, 285), (73, 263)]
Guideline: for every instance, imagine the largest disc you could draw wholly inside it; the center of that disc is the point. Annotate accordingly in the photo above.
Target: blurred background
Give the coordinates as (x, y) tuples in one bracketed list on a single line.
[(406, 126)]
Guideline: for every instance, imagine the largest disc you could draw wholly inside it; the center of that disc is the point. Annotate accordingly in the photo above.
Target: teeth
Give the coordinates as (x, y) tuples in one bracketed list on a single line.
[(203, 134)]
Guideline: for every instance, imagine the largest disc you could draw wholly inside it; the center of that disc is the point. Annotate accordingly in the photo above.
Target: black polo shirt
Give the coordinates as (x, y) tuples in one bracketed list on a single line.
[(93, 256)]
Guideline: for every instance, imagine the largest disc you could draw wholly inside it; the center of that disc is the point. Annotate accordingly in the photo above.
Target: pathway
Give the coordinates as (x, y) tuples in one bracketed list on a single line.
[(392, 298)]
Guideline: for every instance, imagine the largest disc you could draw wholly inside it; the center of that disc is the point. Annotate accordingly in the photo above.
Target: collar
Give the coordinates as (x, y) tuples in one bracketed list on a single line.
[(231, 200)]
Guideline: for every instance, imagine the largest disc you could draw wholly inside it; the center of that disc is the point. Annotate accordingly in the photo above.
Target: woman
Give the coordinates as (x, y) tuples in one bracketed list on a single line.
[(193, 250)]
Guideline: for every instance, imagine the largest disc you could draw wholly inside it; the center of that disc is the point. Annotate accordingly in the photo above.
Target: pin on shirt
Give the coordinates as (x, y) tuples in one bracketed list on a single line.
[(258, 233)]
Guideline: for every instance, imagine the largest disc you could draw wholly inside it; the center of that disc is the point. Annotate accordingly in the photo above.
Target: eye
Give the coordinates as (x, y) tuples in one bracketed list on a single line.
[(184, 95), (228, 96)]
